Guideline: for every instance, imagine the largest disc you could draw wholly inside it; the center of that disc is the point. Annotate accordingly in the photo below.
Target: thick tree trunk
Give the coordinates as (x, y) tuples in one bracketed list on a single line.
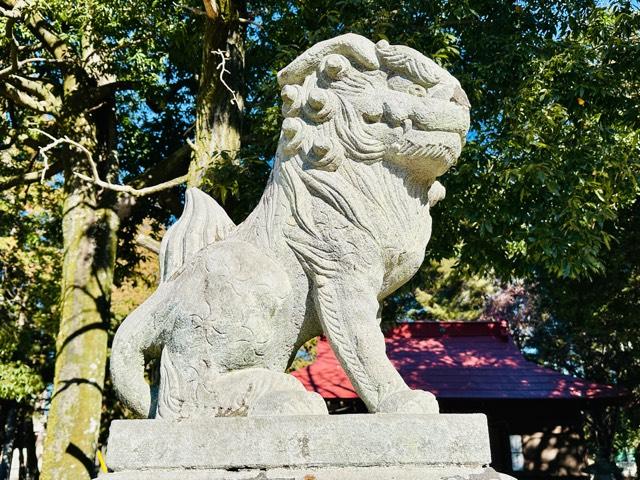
[(220, 102), (90, 235)]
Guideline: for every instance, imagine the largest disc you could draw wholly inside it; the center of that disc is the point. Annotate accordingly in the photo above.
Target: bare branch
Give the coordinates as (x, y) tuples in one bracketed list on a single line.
[(149, 243), (222, 67), (95, 178), (142, 192)]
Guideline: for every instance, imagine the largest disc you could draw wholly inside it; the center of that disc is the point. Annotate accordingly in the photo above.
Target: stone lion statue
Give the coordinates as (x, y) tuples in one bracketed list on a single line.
[(343, 222)]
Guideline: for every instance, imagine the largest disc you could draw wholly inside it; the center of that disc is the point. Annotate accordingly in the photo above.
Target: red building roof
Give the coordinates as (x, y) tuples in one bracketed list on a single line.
[(457, 360)]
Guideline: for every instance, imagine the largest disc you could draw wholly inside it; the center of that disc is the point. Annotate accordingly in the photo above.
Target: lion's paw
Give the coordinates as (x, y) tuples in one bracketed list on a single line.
[(287, 402), (409, 401)]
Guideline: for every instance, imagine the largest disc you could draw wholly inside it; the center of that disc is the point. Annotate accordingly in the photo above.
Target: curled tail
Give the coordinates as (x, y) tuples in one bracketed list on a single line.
[(139, 338)]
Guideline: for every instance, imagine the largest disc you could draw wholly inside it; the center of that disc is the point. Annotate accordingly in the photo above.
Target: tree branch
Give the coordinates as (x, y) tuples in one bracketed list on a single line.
[(14, 43), (149, 243), (31, 177), (95, 178), (21, 63), (222, 67), (32, 87), (31, 94), (24, 99), (177, 163), (142, 192), (12, 8), (9, 13)]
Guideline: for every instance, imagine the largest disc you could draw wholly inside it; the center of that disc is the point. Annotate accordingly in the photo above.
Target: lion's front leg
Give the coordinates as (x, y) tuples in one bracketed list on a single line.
[(348, 311)]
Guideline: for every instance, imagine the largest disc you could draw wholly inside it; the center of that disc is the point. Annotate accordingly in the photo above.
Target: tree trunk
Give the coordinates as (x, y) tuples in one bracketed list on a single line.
[(220, 102), (89, 228)]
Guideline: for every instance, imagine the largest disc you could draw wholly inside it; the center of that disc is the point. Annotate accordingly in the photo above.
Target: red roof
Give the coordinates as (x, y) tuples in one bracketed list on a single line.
[(456, 360)]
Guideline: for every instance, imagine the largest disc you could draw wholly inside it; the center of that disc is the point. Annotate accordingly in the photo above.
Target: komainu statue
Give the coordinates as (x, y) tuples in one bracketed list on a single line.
[(343, 222)]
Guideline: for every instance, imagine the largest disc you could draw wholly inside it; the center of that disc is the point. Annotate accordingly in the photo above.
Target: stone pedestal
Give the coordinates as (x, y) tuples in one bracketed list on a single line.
[(337, 447)]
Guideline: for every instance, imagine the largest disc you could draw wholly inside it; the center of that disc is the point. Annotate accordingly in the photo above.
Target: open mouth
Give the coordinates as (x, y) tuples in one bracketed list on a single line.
[(409, 126)]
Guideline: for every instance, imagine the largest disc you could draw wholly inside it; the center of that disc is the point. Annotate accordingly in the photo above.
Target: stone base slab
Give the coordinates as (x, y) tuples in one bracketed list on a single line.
[(367, 446), (344, 473)]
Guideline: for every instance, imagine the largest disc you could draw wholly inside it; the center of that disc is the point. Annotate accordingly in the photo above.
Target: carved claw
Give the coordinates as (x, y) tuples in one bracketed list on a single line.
[(321, 147), (289, 94), (325, 154)]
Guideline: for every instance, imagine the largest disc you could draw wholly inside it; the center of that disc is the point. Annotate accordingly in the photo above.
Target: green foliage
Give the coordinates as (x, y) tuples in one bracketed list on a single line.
[(19, 382), (560, 157), (449, 292), (29, 262), (589, 327), (237, 183)]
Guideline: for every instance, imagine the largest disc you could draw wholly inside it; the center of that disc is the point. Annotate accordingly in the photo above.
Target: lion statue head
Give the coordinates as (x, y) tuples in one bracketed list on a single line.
[(348, 98), (367, 130)]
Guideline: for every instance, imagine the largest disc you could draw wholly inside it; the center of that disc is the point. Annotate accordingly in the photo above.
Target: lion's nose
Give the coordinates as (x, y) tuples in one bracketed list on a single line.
[(460, 97)]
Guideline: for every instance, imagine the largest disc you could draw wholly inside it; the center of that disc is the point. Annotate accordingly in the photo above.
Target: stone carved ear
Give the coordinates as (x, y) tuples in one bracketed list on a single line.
[(411, 64), (356, 48)]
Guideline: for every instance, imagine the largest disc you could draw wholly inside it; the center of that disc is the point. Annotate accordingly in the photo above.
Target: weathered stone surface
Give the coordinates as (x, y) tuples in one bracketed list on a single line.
[(342, 473), (344, 221), (300, 443)]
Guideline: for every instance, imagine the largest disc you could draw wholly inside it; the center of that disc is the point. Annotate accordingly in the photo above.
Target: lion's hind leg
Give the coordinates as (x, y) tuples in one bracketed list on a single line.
[(248, 392)]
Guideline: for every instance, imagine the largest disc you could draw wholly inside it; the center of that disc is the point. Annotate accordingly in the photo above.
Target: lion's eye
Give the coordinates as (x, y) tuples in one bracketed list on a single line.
[(417, 90)]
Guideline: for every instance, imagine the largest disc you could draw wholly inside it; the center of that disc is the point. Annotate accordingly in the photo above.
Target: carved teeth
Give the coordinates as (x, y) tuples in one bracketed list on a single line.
[(317, 99)]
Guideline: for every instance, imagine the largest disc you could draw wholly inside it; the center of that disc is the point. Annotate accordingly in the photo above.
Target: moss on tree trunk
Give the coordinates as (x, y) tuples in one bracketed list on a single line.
[(220, 101), (89, 230)]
